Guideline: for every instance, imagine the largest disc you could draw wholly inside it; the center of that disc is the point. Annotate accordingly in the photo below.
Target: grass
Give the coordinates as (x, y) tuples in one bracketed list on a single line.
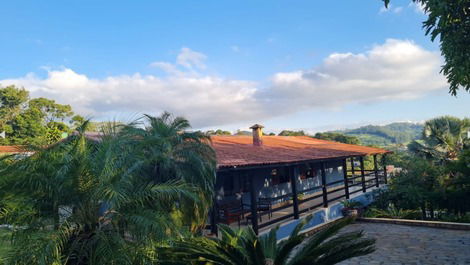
[(4, 241)]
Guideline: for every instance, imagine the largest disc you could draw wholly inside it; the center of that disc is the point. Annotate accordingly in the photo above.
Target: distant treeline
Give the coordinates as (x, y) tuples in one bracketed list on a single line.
[(394, 133), (400, 133)]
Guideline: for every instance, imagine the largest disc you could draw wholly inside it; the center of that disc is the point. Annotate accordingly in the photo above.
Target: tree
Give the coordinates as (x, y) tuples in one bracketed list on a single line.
[(33, 121), (418, 186), (291, 133), (457, 186), (244, 247), (107, 201), (218, 132), (11, 101), (166, 151), (449, 22), (443, 138), (338, 137)]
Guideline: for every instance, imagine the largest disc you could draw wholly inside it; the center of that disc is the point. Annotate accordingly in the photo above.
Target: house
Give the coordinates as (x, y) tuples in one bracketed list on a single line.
[(265, 180)]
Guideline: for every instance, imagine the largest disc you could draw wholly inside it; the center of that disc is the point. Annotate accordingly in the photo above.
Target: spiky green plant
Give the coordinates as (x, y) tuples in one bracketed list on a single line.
[(443, 138), (243, 246), (88, 201)]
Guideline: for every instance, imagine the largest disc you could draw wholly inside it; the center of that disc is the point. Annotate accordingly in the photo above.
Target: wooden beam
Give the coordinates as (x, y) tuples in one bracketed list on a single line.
[(323, 184), (363, 176), (253, 206), (276, 165), (346, 181), (376, 171), (294, 174)]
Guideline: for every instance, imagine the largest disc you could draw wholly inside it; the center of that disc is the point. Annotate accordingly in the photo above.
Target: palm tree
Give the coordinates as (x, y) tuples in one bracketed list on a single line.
[(243, 246), (84, 201), (167, 151), (443, 138)]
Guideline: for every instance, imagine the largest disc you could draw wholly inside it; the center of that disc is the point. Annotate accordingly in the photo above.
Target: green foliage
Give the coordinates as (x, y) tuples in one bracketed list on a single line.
[(443, 138), (291, 133), (394, 133), (218, 132), (457, 184), (83, 201), (5, 236), (244, 247), (449, 22), (391, 212), (32, 121), (11, 101), (246, 133), (338, 137), (436, 173)]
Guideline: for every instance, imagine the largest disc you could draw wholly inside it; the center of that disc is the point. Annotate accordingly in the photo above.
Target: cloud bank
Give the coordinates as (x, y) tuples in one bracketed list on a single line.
[(396, 69)]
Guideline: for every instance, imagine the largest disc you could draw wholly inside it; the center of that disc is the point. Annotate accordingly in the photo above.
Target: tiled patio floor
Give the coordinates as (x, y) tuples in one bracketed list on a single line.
[(399, 244)]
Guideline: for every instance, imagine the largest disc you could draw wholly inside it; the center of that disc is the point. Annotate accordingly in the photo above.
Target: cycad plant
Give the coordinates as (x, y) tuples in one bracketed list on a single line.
[(243, 246), (89, 201)]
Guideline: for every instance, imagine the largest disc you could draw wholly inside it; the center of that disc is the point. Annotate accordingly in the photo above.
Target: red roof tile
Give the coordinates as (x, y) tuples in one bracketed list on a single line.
[(12, 149), (239, 150)]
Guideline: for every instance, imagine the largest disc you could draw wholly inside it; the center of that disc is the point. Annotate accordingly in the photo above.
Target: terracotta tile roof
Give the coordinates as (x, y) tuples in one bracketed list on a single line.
[(239, 150), (12, 149)]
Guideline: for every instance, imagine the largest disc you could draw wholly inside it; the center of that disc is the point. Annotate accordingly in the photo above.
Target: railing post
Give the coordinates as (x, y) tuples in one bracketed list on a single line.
[(254, 207), (376, 171), (384, 161), (294, 174), (346, 181), (363, 176), (323, 184)]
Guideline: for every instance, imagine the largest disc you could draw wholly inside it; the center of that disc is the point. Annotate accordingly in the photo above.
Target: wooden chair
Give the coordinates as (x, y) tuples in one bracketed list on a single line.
[(265, 205), (230, 212)]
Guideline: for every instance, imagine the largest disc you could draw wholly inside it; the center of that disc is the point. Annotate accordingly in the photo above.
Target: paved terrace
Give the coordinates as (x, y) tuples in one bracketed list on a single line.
[(399, 244)]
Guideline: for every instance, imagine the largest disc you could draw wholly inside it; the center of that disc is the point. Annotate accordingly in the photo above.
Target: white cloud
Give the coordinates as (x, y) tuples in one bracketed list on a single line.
[(417, 7), (191, 59), (396, 69), (390, 9)]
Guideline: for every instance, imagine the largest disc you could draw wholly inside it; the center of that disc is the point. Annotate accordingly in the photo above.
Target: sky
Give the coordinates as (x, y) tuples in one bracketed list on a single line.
[(311, 65)]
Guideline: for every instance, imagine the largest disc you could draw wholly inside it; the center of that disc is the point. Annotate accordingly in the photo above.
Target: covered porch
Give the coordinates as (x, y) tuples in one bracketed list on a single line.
[(267, 195)]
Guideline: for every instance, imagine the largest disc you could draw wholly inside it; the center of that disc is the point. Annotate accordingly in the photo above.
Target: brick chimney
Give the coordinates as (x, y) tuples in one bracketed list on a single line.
[(257, 134)]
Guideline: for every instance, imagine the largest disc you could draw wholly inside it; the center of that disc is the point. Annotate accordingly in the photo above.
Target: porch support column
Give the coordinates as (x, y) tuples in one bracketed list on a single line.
[(384, 161), (363, 175), (352, 165), (214, 215), (323, 185), (254, 206), (294, 175), (376, 171), (345, 175)]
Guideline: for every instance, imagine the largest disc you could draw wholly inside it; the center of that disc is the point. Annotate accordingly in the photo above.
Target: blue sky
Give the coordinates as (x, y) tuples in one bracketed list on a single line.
[(287, 64)]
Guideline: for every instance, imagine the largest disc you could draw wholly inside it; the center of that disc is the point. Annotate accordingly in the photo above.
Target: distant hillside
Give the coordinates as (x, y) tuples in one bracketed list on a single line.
[(394, 133)]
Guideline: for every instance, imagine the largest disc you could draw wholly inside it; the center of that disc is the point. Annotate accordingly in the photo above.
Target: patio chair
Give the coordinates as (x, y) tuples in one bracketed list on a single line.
[(264, 205), (230, 212)]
